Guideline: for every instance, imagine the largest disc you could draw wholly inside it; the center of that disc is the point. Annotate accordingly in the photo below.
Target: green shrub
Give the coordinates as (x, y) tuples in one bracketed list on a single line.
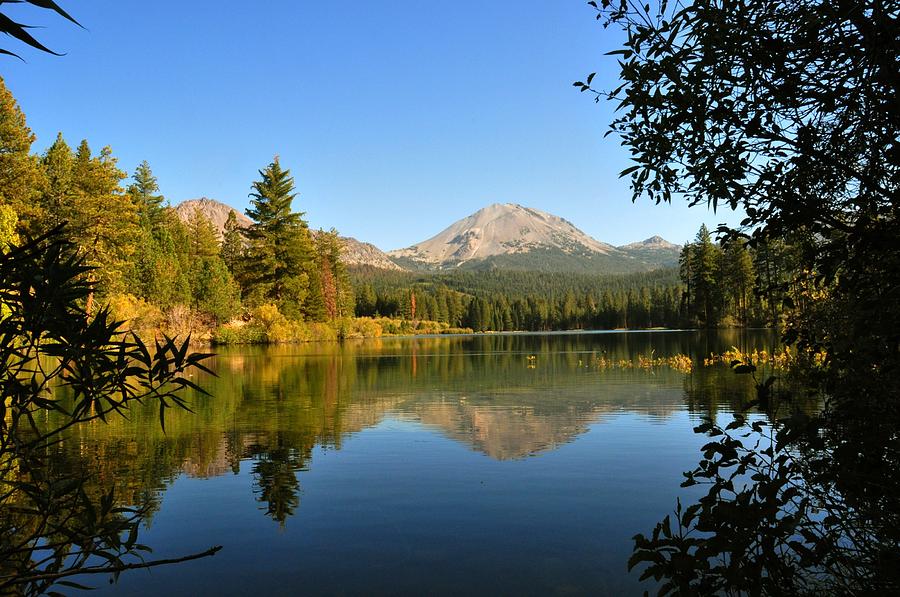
[(358, 327), (238, 332), (141, 317)]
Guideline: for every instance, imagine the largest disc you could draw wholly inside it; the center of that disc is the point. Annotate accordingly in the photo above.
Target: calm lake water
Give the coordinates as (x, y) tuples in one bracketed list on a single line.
[(456, 465)]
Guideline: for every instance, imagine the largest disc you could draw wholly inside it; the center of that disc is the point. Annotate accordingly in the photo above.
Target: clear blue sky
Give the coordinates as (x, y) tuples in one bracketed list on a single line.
[(396, 117)]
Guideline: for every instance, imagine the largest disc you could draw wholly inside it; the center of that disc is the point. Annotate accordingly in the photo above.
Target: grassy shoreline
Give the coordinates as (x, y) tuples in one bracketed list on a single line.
[(267, 325)]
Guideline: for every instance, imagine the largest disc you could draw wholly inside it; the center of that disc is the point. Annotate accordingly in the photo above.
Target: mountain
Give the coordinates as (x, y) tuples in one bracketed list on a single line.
[(513, 237), (502, 236), (357, 253), (214, 211), (354, 252), (655, 251)]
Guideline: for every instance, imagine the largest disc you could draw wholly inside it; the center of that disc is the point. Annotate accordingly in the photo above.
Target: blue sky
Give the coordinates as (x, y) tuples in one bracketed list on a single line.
[(396, 117)]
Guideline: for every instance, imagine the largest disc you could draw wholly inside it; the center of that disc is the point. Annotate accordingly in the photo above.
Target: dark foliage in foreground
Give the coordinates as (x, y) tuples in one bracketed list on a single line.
[(791, 111), (20, 32), (60, 368)]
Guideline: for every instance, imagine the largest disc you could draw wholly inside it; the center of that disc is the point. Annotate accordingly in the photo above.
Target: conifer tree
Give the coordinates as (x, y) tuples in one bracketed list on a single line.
[(337, 291), (203, 243), (314, 306), (215, 292), (102, 219), (213, 289), (57, 198), (144, 191), (232, 243), (157, 273), (279, 258), (686, 272), (705, 266), (366, 303), (166, 281), (740, 276), (21, 177)]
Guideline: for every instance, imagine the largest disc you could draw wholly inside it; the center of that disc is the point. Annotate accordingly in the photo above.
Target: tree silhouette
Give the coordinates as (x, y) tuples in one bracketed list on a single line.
[(20, 32), (789, 111)]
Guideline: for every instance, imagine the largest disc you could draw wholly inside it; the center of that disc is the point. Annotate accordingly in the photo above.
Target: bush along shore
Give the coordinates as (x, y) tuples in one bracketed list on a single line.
[(263, 325)]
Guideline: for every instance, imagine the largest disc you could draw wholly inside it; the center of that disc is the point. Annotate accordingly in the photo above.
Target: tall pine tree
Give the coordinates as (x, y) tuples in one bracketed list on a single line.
[(232, 243), (740, 276), (161, 266), (337, 291), (213, 290), (279, 257), (102, 218), (705, 272), (144, 191), (57, 196)]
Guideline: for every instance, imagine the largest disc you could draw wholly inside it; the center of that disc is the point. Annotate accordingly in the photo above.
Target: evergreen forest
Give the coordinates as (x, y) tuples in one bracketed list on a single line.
[(152, 268), (279, 281), (714, 286)]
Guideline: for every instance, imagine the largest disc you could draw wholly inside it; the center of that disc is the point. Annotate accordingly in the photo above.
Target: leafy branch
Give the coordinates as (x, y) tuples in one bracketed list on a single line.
[(20, 32)]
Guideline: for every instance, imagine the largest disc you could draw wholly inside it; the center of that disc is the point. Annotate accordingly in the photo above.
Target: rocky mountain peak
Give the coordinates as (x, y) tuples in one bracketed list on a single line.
[(655, 243), (502, 229)]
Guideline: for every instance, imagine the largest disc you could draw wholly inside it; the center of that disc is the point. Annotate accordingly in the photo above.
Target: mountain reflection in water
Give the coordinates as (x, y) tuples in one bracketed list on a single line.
[(507, 396), (512, 400)]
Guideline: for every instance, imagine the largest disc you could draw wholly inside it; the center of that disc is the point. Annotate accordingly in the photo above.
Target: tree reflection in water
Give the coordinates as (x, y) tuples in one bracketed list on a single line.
[(275, 405)]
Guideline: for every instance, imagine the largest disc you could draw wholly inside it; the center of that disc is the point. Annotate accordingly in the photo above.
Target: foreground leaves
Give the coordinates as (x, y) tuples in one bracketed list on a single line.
[(19, 31), (60, 367)]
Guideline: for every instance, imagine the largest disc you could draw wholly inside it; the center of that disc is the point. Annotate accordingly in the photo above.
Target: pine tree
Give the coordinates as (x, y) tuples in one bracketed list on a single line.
[(57, 162), (232, 243), (366, 303), (336, 288), (740, 276), (705, 266), (203, 242), (144, 191), (279, 258), (102, 219), (686, 273), (327, 285), (314, 306), (215, 291), (166, 282), (21, 178)]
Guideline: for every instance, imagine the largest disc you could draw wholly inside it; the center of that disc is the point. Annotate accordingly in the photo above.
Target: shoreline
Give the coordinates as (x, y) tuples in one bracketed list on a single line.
[(473, 334)]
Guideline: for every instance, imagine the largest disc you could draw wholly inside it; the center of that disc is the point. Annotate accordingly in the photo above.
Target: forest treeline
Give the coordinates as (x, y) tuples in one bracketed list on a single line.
[(149, 265), (279, 281), (713, 287)]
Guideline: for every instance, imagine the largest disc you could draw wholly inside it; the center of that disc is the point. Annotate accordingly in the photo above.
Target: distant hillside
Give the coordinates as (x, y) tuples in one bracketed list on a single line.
[(513, 237), (654, 251), (214, 211), (513, 284), (354, 252), (358, 253)]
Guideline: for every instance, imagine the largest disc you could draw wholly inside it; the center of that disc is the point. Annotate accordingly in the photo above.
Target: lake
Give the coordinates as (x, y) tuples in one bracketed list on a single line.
[(492, 464)]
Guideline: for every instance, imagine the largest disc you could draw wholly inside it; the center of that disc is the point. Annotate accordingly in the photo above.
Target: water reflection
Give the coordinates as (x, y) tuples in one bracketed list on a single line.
[(507, 397)]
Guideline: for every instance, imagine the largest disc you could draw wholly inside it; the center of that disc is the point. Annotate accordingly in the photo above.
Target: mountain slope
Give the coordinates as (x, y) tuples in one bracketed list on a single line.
[(512, 237), (214, 211), (501, 229), (354, 252), (654, 251), (357, 253)]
